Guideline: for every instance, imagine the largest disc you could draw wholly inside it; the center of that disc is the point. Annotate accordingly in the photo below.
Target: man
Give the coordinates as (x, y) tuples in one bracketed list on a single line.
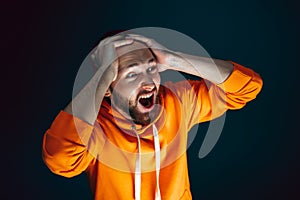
[(135, 146)]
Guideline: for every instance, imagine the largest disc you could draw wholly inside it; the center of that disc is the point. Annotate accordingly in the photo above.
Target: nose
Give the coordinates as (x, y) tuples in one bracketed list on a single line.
[(148, 86)]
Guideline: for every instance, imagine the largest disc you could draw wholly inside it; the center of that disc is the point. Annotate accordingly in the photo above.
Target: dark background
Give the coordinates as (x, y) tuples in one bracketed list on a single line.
[(44, 43)]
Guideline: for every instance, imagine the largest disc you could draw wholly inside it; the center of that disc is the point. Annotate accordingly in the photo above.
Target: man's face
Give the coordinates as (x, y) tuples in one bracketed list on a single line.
[(135, 91)]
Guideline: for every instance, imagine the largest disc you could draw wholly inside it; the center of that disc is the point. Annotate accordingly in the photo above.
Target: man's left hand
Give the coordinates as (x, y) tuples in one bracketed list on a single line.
[(166, 59)]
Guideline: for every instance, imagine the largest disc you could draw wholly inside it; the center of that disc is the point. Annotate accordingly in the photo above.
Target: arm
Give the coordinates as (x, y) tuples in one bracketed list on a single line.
[(213, 70), (73, 141), (92, 94), (87, 103), (204, 101), (64, 151), (229, 85)]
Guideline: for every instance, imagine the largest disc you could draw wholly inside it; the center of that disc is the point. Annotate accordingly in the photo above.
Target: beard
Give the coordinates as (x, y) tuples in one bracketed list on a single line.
[(131, 109)]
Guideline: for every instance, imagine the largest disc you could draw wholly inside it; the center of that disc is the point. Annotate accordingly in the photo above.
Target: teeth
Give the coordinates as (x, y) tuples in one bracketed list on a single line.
[(146, 96)]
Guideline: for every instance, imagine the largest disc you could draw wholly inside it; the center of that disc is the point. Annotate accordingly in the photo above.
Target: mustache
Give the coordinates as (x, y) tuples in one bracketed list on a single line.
[(143, 92)]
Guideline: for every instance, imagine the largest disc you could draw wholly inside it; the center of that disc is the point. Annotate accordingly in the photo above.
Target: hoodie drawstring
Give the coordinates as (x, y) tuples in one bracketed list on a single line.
[(138, 165), (157, 161)]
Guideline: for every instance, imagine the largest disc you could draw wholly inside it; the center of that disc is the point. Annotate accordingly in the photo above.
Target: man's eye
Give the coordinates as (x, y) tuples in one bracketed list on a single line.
[(131, 75), (152, 69)]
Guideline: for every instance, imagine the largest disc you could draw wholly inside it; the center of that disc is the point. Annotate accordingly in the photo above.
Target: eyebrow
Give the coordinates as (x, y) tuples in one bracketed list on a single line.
[(135, 64), (127, 66)]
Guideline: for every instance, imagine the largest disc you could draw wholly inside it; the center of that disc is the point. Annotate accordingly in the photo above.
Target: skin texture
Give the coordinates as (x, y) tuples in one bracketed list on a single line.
[(138, 75), (213, 70), (118, 58), (87, 102)]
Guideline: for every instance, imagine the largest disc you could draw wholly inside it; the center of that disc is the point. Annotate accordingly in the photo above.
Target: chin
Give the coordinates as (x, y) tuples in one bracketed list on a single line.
[(143, 118), (140, 118)]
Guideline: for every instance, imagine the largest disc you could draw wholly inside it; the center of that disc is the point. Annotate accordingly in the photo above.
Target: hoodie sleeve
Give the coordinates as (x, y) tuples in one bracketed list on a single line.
[(67, 145), (203, 101)]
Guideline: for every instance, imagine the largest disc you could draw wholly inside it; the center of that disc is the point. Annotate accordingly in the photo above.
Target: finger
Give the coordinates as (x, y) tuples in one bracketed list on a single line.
[(140, 38), (111, 39), (132, 34), (122, 43), (149, 42)]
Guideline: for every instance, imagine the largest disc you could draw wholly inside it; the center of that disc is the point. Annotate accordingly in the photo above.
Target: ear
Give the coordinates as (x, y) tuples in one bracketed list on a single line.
[(108, 93)]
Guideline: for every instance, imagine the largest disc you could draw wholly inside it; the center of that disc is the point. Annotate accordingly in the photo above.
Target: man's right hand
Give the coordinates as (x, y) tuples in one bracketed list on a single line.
[(105, 56), (86, 104)]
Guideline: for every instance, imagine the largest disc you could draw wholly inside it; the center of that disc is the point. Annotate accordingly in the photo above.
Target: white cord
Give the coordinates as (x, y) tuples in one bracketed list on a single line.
[(157, 161), (137, 177)]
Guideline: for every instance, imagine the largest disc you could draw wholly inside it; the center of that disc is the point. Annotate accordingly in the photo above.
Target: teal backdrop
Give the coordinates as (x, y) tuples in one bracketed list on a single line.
[(257, 155)]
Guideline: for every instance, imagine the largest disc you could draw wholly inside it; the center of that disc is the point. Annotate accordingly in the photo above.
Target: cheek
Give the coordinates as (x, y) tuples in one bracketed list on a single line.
[(125, 90)]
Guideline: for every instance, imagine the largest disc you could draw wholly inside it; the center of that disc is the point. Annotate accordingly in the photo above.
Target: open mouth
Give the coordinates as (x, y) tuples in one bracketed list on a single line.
[(147, 100)]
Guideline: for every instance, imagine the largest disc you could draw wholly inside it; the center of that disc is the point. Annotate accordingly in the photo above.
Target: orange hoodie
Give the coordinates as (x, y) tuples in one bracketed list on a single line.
[(110, 150)]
